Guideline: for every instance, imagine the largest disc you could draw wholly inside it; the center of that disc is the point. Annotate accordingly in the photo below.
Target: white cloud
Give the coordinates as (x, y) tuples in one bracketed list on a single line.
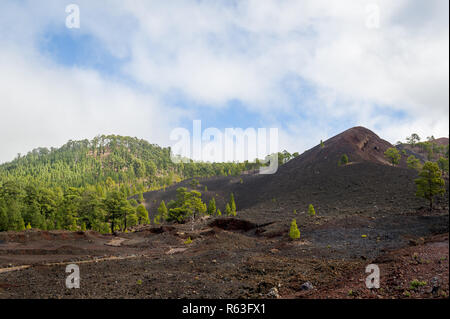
[(214, 52), (43, 105)]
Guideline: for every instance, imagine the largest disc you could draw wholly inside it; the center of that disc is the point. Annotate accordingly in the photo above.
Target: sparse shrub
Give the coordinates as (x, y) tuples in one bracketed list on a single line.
[(188, 241), (311, 210), (294, 232), (416, 284), (343, 160), (295, 212)]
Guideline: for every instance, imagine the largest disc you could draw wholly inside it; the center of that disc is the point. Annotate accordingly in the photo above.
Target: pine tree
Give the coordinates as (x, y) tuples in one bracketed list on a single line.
[(232, 205), (132, 220), (430, 182), (228, 210), (294, 232), (311, 210), (219, 213), (142, 215), (3, 218), (21, 224), (162, 213), (212, 207), (343, 160)]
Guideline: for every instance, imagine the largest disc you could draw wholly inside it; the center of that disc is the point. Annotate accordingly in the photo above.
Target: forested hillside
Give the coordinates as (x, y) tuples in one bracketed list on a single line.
[(132, 162), (85, 184)]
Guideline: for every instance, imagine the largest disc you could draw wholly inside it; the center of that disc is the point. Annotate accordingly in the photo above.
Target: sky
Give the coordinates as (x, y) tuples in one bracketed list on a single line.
[(310, 68)]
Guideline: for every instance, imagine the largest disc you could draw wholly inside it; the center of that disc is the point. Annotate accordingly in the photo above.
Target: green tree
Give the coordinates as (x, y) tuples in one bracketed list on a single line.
[(212, 207), (132, 220), (162, 213), (117, 207), (228, 211), (321, 144), (443, 164), (311, 210), (4, 222), (188, 204), (142, 215), (232, 205), (413, 139), (430, 182), (343, 160), (294, 232), (392, 155), (141, 198), (413, 162)]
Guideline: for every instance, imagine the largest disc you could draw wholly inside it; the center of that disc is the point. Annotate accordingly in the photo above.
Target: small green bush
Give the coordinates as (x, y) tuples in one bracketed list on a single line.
[(343, 160), (416, 284), (294, 233), (311, 210)]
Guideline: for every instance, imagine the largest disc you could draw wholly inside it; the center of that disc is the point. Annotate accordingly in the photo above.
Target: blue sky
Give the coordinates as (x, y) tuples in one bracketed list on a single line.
[(309, 68)]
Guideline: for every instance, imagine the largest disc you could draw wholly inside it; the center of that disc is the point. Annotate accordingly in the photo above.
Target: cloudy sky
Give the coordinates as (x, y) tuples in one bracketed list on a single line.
[(142, 68)]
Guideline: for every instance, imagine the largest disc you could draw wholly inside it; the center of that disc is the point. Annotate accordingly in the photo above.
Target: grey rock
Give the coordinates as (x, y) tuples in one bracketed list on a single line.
[(306, 286)]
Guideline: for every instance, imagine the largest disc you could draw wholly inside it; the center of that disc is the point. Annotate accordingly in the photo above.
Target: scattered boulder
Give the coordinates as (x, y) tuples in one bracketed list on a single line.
[(175, 250), (306, 286), (273, 293), (435, 283)]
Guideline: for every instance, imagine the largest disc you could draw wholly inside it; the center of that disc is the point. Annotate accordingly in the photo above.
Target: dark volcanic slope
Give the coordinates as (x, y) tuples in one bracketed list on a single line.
[(358, 143), (368, 183)]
